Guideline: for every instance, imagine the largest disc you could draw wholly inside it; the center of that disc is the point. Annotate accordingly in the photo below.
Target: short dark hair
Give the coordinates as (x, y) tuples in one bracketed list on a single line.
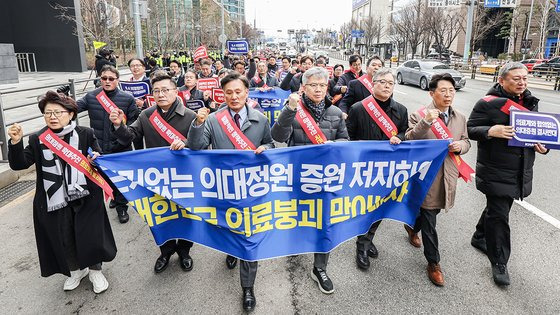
[(136, 59), (305, 58), (206, 62), (176, 62), (61, 99), (110, 68), (375, 58), (239, 62), (160, 75), (232, 77), (338, 65), (287, 58), (295, 62), (354, 58), (440, 77), (320, 61)]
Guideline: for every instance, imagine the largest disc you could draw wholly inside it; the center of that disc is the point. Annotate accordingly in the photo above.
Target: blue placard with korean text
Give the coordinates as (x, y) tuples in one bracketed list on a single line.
[(237, 46), (281, 202), (534, 127), (271, 102), (136, 89)]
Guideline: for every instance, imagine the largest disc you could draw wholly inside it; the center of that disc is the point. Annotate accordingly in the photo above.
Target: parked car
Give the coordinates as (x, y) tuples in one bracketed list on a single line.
[(292, 53), (419, 72), (550, 67), (530, 63)]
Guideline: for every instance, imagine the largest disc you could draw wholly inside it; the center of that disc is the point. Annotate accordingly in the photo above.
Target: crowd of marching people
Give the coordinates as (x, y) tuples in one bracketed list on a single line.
[(73, 232)]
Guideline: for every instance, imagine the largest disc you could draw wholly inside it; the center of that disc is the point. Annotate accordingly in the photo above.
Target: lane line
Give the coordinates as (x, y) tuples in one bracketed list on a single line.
[(534, 210), (400, 92), (539, 213)]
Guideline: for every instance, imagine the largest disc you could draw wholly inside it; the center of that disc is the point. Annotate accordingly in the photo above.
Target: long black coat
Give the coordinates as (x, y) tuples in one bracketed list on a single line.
[(501, 170), (361, 127), (344, 79), (356, 92), (94, 238)]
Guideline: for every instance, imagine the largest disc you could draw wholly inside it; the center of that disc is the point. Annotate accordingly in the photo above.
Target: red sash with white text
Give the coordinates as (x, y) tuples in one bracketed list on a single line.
[(441, 131), (75, 159), (107, 103), (235, 135), (380, 117), (367, 83), (165, 130), (308, 124), (508, 106), (258, 80)]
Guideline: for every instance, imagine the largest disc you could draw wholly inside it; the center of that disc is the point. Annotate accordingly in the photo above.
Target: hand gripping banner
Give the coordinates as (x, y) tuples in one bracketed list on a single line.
[(282, 202)]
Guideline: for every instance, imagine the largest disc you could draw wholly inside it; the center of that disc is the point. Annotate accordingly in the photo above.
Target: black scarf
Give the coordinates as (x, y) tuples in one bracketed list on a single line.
[(317, 110)]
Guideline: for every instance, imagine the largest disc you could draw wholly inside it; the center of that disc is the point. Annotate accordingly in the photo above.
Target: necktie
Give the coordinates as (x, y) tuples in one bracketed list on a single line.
[(445, 118), (236, 117)]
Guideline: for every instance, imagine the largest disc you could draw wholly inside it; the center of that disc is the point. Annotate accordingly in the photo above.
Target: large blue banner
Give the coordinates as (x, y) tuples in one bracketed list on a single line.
[(285, 201), (271, 102)]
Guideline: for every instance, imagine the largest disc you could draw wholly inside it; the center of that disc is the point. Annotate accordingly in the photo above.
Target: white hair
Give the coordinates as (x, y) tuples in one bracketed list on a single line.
[(322, 73)]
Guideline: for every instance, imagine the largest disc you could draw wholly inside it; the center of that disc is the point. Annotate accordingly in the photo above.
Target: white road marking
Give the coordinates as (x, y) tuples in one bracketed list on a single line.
[(400, 92), (536, 211)]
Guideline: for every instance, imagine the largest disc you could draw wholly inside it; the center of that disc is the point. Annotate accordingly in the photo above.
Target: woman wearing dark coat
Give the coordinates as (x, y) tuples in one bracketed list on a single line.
[(72, 230)]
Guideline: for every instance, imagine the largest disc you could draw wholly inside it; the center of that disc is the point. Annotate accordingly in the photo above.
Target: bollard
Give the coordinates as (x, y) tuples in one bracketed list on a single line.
[(473, 72), (495, 78), (557, 84), (3, 133), (73, 96)]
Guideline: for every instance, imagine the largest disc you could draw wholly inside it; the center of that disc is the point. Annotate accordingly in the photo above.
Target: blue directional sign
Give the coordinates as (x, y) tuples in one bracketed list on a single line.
[(558, 6), (358, 33), (238, 46), (491, 3)]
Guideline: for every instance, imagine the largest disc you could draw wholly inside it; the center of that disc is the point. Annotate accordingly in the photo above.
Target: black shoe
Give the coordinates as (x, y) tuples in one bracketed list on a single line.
[(112, 204), (479, 243), (231, 262), (362, 259), (123, 217), (161, 263), (186, 262), (249, 300), (320, 276), (372, 252), (500, 274)]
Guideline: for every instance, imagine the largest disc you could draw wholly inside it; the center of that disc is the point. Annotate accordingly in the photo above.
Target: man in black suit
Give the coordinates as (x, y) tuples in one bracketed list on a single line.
[(356, 90)]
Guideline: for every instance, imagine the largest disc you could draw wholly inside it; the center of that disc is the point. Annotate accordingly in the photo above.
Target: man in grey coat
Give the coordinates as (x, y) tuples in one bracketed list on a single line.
[(206, 130), (173, 112), (329, 119)]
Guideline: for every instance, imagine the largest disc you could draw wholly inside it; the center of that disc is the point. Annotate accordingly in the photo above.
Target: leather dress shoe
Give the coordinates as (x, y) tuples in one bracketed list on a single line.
[(112, 204), (372, 252), (249, 300), (231, 262), (500, 274), (435, 275), (123, 217), (186, 263), (161, 263), (413, 238), (362, 259)]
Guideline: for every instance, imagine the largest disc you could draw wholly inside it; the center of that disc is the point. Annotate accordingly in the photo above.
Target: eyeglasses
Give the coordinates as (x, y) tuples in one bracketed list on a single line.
[(56, 113), (110, 79), (136, 66), (164, 91), (384, 82), (316, 85)]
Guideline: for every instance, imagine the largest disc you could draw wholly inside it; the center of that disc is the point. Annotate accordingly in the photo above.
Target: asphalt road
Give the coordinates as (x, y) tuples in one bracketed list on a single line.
[(395, 283)]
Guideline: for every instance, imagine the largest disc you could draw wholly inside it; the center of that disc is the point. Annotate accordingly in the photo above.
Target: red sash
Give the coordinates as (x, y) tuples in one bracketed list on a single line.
[(75, 159), (106, 102), (308, 124), (235, 135), (508, 106), (336, 98), (380, 117), (165, 130), (356, 74), (151, 100), (441, 131), (258, 80), (367, 83)]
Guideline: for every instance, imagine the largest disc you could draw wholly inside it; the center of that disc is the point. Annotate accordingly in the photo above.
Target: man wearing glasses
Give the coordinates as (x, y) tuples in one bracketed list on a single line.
[(362, 126), (150, 127), (313, 105), (99, 104)]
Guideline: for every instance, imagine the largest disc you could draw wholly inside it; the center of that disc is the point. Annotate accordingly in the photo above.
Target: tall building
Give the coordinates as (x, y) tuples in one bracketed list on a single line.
[(236, 9)]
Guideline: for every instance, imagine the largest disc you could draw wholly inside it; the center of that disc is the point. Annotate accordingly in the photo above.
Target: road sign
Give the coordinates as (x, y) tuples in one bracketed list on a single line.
[(222, 38), (500, 3), (558, 6), (358, 33), (443, 3), (238, 46), (526, 43)]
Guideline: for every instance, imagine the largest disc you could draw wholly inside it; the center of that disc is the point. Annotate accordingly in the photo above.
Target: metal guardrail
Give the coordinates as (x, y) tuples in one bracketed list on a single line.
[(74, 92), (25, 61)]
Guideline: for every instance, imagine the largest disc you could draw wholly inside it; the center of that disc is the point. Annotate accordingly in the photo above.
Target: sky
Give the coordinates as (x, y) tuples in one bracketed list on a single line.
[(273, 15)]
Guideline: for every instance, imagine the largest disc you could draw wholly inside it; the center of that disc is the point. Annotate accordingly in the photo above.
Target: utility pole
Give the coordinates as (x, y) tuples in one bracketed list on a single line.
[(137, 29), (468, 36), (223, 32), (528, 25)]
